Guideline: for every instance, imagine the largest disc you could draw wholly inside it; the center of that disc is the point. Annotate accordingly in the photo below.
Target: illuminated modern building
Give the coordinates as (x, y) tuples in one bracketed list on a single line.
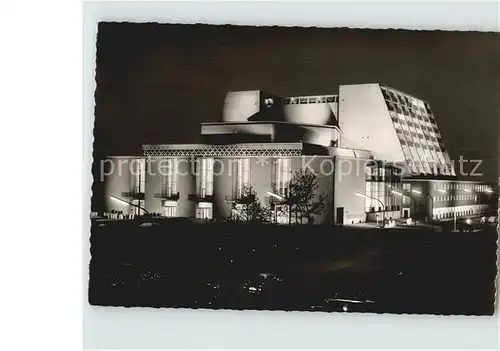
[(378, 153)]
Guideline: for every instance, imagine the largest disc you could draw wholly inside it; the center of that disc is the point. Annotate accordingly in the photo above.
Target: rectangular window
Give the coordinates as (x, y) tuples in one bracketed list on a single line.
[(205, 177), (406, 186), (243, 175), (378, 193), (283, 175), (138, 207), (169, 175), (204, 210), (170, 211), (139, 175)]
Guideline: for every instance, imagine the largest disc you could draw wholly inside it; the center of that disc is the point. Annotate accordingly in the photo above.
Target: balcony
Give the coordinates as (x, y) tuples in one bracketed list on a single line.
[(167, 196), (200, 198), (133, 195)]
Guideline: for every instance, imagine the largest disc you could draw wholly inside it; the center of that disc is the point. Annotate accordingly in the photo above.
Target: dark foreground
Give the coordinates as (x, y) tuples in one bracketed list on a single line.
[(187, 265)]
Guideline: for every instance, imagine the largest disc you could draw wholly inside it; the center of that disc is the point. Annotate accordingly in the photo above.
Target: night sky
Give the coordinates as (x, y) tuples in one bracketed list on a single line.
[(156, 83)]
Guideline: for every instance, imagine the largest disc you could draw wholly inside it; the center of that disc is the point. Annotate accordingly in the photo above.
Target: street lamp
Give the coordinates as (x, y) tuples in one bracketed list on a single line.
[(128, 203), (412, 199), (432, 203), (383, 206)]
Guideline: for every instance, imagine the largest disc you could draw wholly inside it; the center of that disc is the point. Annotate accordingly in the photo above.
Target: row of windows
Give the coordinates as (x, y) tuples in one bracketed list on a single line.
[(422, 145), (414, 113), (282, 174), (461, 186), (455, 186), (454, 198), (450, 212), (415, 119), (407, 125), (203, 210), (310, 100), (417, 133), (406, 100)]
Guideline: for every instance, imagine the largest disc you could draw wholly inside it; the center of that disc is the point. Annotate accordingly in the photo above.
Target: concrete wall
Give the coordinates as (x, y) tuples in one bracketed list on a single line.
[(261, 179), (223, 187), (239, 105), (350, 179), (366, 123), (153, 185), (117, 179), (186, 184), (311, 113), (246, 128)]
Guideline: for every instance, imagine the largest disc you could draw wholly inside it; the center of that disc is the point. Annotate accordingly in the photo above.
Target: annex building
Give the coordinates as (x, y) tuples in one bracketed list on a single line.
[(377, 152)]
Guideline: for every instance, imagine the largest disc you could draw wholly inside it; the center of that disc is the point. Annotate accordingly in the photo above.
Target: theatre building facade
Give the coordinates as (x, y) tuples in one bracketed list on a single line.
[(376, 152)]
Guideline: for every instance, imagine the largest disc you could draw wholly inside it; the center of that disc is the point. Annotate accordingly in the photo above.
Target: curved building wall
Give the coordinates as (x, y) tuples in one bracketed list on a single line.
[(117, 174), (311, 113), (240, 105)]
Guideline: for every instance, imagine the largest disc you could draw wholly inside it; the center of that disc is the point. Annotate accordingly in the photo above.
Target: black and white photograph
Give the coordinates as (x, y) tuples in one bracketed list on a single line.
[(322, 170)]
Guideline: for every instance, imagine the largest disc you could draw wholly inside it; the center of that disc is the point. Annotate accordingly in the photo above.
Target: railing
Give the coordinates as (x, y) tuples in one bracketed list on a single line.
[(167, 196), (200, 198), (133, 195)]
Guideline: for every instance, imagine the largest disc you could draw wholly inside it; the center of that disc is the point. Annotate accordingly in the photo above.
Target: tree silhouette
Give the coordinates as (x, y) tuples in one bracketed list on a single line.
[(247, 208), (304, 195)]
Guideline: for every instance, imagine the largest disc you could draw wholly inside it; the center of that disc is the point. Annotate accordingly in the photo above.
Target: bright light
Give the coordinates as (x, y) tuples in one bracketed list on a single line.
[(468, 221), (442, 191), (275, 195), (119, 200), (416, 191), (489, 190), (467, 190), (396, 193), (362, 195), (252, 288)]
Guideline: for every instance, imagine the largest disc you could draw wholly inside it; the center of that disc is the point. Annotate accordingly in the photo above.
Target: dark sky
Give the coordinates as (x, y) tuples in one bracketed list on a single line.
[(156, 83)]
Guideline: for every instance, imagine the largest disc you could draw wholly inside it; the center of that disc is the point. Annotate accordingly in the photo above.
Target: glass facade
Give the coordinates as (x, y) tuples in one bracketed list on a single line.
[(418, 133), (380, 183)]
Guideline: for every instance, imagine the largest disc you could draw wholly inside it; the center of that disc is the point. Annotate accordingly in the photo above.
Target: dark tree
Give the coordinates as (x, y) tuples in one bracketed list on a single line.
[(304, 194), (247, 208)]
